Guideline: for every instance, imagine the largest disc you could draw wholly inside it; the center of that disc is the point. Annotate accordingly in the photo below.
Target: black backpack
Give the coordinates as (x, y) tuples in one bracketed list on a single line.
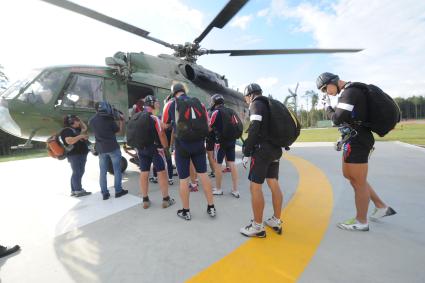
[(232, 124), (191, 120), (284, 127), (140, 129), (382, 111)]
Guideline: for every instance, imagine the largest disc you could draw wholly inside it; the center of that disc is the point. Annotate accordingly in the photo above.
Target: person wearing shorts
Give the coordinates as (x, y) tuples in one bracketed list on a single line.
[(185, 152), (352, 107), (223, 148), (154, 154), (264, 165)]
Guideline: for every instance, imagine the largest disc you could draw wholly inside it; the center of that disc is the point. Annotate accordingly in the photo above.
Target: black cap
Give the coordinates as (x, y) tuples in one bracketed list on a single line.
[(177, 87), (216, 99), (150, 100)]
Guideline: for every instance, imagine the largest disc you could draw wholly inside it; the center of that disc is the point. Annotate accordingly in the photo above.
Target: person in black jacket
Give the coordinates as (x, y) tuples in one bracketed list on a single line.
[(357, 145), (75, 134), (264, 164)]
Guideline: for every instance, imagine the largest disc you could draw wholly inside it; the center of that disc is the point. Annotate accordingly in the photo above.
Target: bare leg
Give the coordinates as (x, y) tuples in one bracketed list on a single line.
[(211, 160), (277, 196), (357, 175), (144, 184), (234, 173), (163, 182), (218, 175), (192, 173), (206, 184), (184, 192), (375, 198), (257, 201)]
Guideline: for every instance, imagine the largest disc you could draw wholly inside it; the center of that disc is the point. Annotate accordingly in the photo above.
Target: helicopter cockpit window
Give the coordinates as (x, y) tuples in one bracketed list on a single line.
[(83, 92), (43, 88), (16, 87)]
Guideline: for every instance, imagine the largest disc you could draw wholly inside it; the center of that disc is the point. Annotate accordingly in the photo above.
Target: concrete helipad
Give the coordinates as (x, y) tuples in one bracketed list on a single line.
[(65, 239)]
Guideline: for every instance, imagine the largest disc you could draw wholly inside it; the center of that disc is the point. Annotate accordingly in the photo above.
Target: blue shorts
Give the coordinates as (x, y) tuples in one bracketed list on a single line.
[(227, 150), (190, 151), (149, 155)]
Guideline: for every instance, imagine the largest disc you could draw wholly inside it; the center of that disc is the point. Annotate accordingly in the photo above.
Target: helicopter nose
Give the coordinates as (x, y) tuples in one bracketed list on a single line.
[(7, 123)]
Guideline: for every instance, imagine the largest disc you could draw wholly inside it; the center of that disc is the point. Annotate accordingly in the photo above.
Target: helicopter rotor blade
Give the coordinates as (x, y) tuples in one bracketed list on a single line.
[(280, 51), (226, 14), (106, 19)]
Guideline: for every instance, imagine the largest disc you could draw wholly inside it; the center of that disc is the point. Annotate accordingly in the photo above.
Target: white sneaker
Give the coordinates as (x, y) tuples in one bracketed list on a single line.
[(275, 224), (353, 225), (254, 230), (382, 212), (235, 194), (217, 192)]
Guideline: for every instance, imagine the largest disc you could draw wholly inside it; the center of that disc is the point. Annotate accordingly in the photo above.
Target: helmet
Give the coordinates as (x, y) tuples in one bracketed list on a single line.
[(150, 100), (216, 99), (69, 120), (252, 88), (177, 87), (103, 107), (325, 79)]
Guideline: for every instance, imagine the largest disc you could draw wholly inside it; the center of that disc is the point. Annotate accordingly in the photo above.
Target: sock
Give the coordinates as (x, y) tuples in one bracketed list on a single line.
[(167, 198), (146, 198), (211, 206), (256, 225), (276, 219), (185, 210)]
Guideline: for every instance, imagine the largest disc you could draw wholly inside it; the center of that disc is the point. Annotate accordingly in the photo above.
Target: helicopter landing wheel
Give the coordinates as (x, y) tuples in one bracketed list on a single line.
[(124, 165)]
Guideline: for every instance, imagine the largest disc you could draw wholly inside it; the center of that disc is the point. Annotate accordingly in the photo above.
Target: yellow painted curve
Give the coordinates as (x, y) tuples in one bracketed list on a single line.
[(282, 258)]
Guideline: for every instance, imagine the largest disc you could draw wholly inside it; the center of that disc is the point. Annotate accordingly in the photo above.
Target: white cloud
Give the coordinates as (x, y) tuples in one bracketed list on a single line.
[(391, 32), (263, 12), (241, 22)]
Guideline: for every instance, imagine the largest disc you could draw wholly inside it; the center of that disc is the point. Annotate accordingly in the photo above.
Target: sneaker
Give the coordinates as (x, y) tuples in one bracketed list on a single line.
[(72, 193), (184, 214), (168, 203), (217, 192), (193, 187), (275, 224), (5, 251), (121, 193), (211, 211), (153, 180), (353, 225), (81, 193), (226, 170), (235, 194), (146, 204), (382, 212), (105, 196), (251, 231), (211, 174), (170, 182)]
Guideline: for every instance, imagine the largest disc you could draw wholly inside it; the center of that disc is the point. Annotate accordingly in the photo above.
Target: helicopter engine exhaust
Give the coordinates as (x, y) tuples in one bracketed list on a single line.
[(204, 78)]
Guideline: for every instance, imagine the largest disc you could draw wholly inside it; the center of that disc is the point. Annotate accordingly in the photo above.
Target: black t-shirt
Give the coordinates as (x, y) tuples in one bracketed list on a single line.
[(80, 147), (104, 129)]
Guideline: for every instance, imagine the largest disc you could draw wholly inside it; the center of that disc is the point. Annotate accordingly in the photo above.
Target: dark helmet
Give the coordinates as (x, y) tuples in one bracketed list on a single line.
[(252, 88), (103, 107), (69, 119), (216, 99), (325, 79), (150, 101), (177, 87)]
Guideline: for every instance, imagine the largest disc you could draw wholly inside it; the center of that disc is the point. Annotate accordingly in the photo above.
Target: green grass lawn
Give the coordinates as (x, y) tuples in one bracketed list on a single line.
[(405, 132), (25, 154)]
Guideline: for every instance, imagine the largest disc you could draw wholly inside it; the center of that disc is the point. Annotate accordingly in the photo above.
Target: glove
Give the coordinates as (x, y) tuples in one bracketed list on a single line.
[(326, 101), (245, 161)]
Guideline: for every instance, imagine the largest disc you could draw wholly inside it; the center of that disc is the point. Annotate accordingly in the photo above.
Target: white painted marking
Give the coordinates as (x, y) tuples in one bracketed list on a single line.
[(312, 144), (410, 146)]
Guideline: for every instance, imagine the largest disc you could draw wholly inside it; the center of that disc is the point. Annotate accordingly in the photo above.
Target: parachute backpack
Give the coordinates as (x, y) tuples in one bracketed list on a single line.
[(191, 120), (56, 148), (232, 124), (382, 111), (139, 130), (284, 125)]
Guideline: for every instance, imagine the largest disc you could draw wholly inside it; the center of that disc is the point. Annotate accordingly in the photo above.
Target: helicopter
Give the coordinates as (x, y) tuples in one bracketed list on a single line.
[(33, 107)]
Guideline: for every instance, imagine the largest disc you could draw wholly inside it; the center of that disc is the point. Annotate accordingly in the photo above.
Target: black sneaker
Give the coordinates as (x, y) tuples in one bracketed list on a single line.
[(184, 214), (211, 174), (121, 193), (106, 196), (153, 180), (5, 251), (81, 193), (211, 211)]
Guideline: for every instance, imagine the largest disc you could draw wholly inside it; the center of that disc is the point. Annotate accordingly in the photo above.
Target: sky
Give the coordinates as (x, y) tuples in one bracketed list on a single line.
[(392, 33)]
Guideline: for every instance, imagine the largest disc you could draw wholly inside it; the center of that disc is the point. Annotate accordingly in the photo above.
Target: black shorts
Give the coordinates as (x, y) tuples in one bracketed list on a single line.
[(358, 150), (265, 163)]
